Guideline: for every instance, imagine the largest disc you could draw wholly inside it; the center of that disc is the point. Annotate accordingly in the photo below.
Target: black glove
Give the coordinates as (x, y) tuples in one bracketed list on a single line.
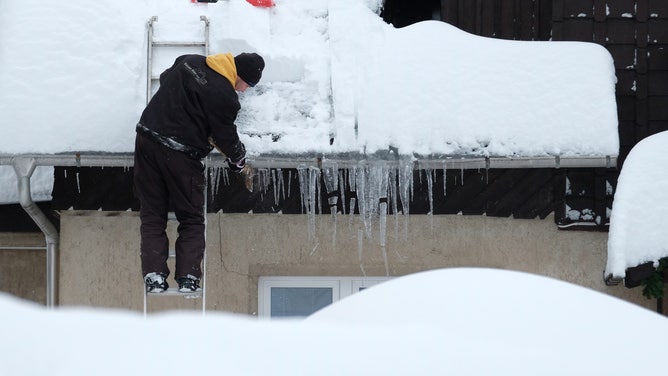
[(236, 166)]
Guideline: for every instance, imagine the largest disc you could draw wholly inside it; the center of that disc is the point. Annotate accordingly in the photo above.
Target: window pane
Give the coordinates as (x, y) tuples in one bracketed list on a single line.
[(298, 301)]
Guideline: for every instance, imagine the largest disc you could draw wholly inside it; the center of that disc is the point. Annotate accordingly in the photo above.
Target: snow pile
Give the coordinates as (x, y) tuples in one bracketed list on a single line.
[(524, 325), (637, 223)]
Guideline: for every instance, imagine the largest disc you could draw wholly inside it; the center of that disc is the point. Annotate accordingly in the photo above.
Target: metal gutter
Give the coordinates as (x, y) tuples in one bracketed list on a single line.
[(342, 161), (24, 167)]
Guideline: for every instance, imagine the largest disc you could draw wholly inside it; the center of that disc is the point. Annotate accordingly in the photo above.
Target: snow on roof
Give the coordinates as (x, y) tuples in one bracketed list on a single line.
[(637, 222), (338, 80), (73, 79)]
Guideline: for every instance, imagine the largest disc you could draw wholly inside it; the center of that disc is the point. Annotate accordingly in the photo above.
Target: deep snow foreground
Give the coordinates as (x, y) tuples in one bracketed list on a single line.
[(499, 322), (637, 223)]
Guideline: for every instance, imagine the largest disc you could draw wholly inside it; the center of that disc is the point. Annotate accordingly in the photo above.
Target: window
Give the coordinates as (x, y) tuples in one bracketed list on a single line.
[(302, 296)]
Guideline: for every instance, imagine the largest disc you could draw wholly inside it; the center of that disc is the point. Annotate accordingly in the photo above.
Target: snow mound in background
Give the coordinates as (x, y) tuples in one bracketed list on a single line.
[(637, 226), (450, 321), (432, 88)]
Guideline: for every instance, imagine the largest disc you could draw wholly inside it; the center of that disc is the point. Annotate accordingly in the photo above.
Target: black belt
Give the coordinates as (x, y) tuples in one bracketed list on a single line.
[(170, 142)]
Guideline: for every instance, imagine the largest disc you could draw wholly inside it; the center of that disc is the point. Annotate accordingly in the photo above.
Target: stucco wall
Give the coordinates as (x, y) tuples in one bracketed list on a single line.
[(22, 268), (99, 254)]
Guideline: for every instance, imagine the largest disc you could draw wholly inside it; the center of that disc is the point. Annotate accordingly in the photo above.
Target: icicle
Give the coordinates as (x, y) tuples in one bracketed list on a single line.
[(352, 178), (360, 250), (260, 187), (333, 215), (303, 187), (331, 177), (289, 181), (308, 184), (384, 176), (267, 179), (226, 176), (78, 183), (314, 249), (445, 179), (393, 197), (275, 186), (263, 181), (462, 176), (281, 183), (383, 232), (430, 189), (360, 181), (318, 190), (342, 191), (405, 191), (405, 185), (65, 173), (215, 179), (313, 185), (381, 196)]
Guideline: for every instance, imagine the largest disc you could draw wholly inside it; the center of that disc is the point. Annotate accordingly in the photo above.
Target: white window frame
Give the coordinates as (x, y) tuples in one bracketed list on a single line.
[(341, 287)]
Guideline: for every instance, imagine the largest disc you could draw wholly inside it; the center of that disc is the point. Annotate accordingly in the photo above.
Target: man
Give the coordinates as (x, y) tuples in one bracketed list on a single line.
[(193, 110)]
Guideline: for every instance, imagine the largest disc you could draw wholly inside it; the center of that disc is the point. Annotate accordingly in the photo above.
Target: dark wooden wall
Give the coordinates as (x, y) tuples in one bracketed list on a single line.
[(504, 19)]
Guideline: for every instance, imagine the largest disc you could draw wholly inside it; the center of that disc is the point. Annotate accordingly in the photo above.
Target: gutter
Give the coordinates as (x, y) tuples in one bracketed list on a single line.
[(24, 167), (343, 161)]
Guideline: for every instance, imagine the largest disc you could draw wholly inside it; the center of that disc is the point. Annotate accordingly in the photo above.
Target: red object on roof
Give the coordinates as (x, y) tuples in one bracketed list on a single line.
[(262, 3)]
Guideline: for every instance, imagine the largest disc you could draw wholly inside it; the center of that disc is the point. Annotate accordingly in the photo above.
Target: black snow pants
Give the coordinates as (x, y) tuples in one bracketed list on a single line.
[(165, 178)]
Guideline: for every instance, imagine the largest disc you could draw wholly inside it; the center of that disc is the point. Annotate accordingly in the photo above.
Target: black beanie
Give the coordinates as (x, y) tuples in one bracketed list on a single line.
[(249, 67)]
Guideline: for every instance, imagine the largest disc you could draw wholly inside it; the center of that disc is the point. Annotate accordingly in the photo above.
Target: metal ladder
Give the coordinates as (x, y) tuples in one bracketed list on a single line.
[(173, 291), (151, 79)]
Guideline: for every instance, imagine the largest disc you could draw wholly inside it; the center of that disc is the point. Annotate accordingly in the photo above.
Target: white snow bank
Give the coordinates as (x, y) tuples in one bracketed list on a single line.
[(432, 88), (452, 321), (637, 222)]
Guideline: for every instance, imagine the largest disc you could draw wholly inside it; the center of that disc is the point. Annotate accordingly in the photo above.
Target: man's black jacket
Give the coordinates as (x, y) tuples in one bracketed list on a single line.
[(193, 103)]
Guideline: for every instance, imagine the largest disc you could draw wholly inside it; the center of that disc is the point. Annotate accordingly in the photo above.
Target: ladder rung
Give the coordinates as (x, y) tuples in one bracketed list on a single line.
[(178, 44), (173, 291)]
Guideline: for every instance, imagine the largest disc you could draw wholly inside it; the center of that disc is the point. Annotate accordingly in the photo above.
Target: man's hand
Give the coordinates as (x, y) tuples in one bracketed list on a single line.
[(236, 166), (247, 172), (244, 170)]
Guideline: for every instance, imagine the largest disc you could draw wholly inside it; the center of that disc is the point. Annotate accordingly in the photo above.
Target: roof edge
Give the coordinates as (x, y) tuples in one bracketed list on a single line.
[(97, 159)]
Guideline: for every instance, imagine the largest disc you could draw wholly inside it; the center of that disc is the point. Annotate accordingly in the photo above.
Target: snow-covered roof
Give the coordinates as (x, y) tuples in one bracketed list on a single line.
[(72, 79), (638, 222), (338, 81)]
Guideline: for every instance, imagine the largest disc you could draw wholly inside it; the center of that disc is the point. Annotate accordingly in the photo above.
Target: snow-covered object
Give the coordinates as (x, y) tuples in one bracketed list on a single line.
[(443, 322), (638, 221)]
